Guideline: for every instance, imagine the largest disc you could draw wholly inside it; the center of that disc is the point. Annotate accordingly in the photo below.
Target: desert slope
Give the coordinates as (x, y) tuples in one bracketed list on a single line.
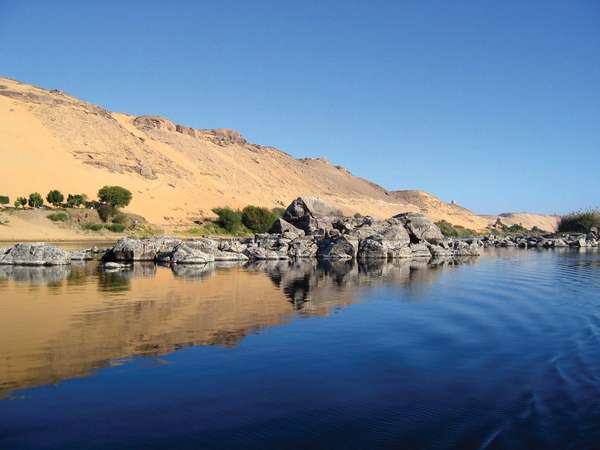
[(177, 174)]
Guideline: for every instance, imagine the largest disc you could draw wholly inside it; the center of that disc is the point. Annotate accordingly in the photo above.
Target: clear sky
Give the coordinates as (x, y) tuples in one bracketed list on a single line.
[(495, 104)]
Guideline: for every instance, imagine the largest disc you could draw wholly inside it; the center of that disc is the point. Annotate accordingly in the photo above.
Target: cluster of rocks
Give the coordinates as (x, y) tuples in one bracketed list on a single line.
[(309, 229), (583, 240)]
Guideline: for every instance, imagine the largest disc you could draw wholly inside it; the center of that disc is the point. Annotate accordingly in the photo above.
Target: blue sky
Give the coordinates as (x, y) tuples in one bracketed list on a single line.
[(493, 104)]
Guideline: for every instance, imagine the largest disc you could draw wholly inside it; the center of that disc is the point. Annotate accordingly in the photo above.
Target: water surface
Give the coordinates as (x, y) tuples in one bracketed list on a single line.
[(497, 352)]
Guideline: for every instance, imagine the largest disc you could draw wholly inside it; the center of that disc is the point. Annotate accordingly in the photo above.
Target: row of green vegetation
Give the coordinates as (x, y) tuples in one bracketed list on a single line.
[(456, 231), (113, 196), (114, 227), (580, 221), (235, 222)]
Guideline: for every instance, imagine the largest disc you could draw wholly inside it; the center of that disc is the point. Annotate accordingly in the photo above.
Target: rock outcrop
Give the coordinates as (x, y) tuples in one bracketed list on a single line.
[(34, 254), (309, 229)]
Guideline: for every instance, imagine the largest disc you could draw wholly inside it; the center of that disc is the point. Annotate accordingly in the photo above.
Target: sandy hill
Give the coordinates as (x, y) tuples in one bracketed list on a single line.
[(177, 174)]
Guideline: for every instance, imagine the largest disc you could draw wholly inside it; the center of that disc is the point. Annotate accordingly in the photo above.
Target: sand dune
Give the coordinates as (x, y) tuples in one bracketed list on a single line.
[(177, 174)]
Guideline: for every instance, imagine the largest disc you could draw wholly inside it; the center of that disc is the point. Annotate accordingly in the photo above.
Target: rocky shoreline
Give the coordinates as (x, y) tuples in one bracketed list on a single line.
[(308, 229)]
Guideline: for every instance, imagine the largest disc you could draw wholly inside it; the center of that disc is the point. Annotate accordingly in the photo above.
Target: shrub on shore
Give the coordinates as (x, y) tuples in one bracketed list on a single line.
[(229, 220), (55, 197), (35, 200), (58, 217), (449, 230), (258, 219), (93, 226), (580, 221), (115, 227), (4, 200)]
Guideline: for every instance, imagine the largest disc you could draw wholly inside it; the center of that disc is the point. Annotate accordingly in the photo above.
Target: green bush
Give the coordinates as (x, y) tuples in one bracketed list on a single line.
[(449, 230), (4, 200), (35, 200), (580, 221), (516, 228), (116, 196), (122, 219), (106, 211), (76, 200), (58, 217), (55, 197), (93, 226), (258, 219), (115, 227), (228, 219)]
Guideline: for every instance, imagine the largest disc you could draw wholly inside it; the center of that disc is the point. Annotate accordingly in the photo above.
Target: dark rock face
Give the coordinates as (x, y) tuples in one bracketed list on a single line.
[(280, 226), (311, 215), (34, 254), (335, 248)]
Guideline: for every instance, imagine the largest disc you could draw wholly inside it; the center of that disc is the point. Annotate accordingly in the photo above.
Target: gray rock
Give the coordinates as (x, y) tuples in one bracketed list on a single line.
[(82, 255), (191, 253), (286, 229), (466, 248), (262, 253), (35, 254), (420, 228), (311, 215), (336, 248), (420, 250), (303, 247), (215, 248), (133, 249)]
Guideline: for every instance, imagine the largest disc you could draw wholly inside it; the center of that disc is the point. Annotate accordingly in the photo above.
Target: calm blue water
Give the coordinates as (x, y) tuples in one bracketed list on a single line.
[(501, 353)]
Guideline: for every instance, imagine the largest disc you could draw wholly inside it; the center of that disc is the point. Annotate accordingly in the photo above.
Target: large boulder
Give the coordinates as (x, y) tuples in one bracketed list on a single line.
[(262, 253), (302, 247), (286, 229), (376, 247), (219, 251), (266, 246), (34, 254), (191, 253), (420, 228), (134, 249), (336, 248), (311, 215)]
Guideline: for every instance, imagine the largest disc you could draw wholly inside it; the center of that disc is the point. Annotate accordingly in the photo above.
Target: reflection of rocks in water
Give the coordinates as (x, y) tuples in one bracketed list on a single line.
[(35, 274), (193, 271)]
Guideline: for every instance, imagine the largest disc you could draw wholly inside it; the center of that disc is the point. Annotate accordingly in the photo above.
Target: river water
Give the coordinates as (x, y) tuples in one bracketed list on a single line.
[(502, 351)]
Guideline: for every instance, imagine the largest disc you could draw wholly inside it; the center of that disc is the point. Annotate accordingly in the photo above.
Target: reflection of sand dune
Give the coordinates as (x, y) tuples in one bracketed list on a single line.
[(62, 325)]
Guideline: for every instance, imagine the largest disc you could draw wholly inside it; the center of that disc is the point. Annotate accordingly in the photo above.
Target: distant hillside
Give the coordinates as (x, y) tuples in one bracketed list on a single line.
[(177, 174)]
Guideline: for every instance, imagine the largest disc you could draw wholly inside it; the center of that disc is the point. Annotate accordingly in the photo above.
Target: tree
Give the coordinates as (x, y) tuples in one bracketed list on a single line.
[(55, 197), (115, 196), (21, 201), (35, 200), (4, 200), (258, 219), (76, 200)]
